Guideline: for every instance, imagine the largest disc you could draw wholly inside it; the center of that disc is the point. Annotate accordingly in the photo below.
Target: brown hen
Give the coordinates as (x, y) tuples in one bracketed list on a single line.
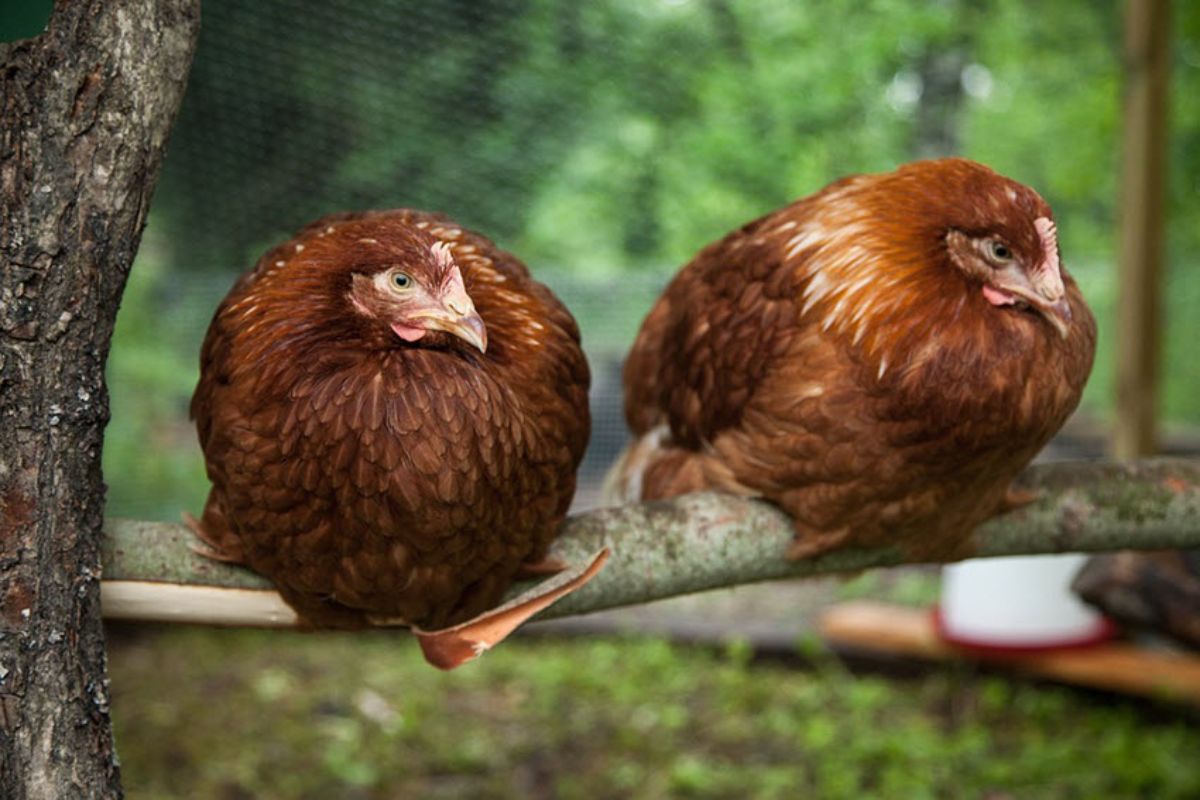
[(392, 412), (880, 359)]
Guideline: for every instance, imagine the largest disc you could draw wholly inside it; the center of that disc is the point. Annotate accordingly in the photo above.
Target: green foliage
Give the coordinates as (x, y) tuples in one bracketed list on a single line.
[(907, 587), (152, 462), (602, 138), (605, 142), (204, 713), (620, 135), (23, 19)]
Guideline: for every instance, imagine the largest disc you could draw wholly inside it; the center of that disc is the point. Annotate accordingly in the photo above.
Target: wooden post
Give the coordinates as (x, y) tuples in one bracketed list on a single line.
[(1147, 51)]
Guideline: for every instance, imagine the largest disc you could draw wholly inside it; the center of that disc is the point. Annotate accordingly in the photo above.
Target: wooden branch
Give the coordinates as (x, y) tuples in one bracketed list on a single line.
[(704, 541)]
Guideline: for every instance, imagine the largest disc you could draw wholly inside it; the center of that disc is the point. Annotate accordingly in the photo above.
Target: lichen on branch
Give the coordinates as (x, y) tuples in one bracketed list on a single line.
[(707, 541)]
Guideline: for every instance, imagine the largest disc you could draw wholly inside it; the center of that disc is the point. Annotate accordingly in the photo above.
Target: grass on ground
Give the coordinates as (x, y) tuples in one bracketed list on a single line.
[(204, 713)]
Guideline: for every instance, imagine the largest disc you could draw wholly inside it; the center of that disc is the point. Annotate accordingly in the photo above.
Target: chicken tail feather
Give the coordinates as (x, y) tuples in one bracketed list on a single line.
[(451, 647), (626, 478), (213, 540), (653, 468)]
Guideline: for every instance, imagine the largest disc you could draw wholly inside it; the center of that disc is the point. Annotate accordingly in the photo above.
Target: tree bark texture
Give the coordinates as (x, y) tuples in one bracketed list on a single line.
[(85, 110), (694, 543)]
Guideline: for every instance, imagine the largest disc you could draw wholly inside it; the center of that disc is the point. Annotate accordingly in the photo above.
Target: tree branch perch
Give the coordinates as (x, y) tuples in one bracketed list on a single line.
[(693, 543)]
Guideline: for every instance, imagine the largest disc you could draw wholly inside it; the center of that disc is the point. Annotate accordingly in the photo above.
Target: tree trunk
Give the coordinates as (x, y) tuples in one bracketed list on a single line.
[(85, 109)]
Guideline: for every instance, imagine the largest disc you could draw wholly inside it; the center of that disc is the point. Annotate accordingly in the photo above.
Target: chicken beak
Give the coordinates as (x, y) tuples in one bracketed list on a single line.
[(458, 317), (460, 321), (470, 328), (1059, 315), (1043, 291), (1056, 310), (456, 314)]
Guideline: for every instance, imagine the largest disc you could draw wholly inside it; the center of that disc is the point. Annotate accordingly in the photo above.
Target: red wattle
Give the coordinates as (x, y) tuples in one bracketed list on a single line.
[(406, 333), (997, 297)]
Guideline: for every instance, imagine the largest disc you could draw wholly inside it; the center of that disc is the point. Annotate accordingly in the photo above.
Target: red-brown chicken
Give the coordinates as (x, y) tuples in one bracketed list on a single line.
[(880, 359), (392, 412)]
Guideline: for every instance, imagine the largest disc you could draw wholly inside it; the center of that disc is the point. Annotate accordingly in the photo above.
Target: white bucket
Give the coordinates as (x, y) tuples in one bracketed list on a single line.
[(1017, 603)]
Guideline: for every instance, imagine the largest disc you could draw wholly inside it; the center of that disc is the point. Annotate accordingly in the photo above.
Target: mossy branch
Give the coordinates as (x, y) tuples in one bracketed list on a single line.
[(708, 541)]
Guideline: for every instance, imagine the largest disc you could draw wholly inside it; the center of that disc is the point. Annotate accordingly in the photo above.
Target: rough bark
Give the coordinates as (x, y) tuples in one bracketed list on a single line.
[(85, 110), (697, 542)]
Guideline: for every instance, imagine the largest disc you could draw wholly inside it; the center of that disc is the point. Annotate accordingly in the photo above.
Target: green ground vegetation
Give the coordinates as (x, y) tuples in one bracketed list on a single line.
[(243, 714)]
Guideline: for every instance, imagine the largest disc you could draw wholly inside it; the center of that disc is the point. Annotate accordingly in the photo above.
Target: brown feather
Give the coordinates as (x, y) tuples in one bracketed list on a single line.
[(832, 358), (368, 476)]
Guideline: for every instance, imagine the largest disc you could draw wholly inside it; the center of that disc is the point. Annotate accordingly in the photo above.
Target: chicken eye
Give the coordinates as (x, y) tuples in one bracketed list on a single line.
[(999, 251), (401, 280)]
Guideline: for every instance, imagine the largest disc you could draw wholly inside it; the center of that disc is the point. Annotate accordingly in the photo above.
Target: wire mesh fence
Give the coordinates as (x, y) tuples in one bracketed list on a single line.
[(574, 134), (604, 143)]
